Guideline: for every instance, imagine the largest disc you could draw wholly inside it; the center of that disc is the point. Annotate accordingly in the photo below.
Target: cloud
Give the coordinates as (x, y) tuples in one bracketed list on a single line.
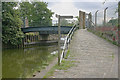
[(72, 8), (61, 0), (88, 6), (63, 8), (81, 0)]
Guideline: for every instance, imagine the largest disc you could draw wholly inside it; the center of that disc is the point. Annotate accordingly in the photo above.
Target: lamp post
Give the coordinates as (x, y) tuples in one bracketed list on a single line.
[(59, 34)]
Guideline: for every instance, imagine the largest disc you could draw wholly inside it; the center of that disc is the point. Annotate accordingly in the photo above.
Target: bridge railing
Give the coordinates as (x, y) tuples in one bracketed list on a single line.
[(67, 41)]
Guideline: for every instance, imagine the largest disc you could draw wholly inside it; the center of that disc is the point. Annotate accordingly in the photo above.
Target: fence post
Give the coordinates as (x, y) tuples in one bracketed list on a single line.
[(90, 19), (96, 18), (105, 16)]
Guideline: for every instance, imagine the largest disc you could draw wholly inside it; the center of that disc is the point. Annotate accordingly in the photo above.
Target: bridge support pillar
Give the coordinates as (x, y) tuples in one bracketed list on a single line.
[(44, 36), (82, 19)]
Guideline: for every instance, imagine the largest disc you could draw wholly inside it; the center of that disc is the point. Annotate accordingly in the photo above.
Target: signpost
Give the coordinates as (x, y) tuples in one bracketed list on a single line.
[(59, 34)]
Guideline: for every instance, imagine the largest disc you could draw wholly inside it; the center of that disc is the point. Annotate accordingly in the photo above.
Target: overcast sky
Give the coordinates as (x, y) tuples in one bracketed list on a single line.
[(72, 7)]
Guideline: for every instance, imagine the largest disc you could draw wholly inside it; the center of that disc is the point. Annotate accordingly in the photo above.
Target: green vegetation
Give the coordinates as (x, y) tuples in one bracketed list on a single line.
[(101, 35), (14, 14), (64, 66), (32, 33), (28, 41), (113, 56), (66, 56), (112, 22), (11, 24), (45, 64), (77, 18), (37, 13), (50, 73)]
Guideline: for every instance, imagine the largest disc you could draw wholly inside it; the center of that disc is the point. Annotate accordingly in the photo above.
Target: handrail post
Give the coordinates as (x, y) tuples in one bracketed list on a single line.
[(59, 34), (59, 37)]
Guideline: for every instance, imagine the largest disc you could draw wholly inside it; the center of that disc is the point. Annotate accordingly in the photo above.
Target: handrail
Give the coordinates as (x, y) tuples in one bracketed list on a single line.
[(67, 40)]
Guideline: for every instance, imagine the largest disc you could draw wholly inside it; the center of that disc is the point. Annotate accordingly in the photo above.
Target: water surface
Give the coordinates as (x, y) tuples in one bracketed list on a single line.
[(21, 63)]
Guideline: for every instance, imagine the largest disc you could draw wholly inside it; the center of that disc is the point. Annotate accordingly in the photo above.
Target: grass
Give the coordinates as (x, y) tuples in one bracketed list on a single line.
[(112, 56), (50, 73), (63, 66), (44, 65), (66, 56), (101, 35)]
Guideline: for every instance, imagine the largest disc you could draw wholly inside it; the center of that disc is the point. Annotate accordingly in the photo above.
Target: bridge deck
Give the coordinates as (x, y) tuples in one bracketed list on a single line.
[(47, 29), (94, 57)]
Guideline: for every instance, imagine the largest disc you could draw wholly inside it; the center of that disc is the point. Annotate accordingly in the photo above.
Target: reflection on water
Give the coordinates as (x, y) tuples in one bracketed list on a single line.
[(20, 63)]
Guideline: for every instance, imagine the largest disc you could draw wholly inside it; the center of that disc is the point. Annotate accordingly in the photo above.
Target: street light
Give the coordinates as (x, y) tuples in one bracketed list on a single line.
[(59, 33)]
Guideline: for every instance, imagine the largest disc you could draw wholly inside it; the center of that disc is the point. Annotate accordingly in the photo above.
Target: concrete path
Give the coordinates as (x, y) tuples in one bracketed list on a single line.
[(95, 57)]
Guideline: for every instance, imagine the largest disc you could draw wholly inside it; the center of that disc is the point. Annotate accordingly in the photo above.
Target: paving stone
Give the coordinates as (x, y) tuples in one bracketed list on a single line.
[(95, 57)]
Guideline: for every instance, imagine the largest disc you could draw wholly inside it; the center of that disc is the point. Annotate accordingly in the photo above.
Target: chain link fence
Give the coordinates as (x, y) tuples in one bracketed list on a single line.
[(105, 23)]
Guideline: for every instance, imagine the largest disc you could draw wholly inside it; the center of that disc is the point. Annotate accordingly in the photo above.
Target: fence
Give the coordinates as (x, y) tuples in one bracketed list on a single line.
[(105, 22)]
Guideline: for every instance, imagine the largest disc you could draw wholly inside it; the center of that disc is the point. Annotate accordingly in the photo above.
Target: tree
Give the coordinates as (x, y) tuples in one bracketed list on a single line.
[(77, 18), (26, 10), (0, 11), (113, 22), (37, 13), (12, 15), (11, 24)]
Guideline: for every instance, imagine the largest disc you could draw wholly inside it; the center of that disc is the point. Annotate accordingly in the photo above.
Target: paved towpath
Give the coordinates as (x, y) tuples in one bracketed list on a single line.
[(94, 57)]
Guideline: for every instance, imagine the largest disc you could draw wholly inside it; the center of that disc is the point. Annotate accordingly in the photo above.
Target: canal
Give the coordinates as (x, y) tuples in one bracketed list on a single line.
[(22, 63)]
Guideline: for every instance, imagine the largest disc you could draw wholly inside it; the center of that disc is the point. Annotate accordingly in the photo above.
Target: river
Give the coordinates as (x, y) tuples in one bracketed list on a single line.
[(22, 63)]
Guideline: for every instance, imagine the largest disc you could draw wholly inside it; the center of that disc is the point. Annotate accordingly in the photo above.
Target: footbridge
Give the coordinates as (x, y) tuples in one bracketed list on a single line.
[(47, 29)]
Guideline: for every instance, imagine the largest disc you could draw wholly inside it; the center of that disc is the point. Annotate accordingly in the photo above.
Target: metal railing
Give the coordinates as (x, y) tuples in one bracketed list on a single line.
[(67, 41)]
